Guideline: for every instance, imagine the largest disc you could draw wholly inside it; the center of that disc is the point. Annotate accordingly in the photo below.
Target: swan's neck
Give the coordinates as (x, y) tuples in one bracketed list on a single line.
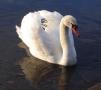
[(64, 36), (67, 47), (64, 40)]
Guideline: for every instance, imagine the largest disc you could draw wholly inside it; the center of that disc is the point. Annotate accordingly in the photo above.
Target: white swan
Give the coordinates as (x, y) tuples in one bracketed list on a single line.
[(48, 36)]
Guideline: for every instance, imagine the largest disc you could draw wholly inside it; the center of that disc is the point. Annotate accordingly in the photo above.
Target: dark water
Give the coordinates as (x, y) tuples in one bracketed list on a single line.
[(34, 74)]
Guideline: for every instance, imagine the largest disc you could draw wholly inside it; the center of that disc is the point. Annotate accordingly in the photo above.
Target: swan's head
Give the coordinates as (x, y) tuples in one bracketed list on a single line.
[(71, 22)]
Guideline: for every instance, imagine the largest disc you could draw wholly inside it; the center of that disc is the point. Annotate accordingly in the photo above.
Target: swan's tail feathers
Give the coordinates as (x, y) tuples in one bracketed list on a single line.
[(18, 31)]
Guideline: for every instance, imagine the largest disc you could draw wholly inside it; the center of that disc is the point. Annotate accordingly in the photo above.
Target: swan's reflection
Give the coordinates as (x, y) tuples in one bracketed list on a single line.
[(45, 76)]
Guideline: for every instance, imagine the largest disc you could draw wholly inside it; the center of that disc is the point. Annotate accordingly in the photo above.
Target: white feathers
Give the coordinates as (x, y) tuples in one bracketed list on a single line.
[(44, 43)]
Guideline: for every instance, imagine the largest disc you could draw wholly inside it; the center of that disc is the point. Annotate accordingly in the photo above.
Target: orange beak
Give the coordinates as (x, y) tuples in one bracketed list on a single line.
[(75, 30)]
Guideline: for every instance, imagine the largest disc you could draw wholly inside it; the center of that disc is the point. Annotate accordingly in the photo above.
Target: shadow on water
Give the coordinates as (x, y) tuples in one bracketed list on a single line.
[(45, 76)]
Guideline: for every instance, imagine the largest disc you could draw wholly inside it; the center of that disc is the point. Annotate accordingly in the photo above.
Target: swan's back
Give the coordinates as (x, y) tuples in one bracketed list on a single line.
[(30, 23), (40, 43), (53, 23), (53, 19), (53, 30)]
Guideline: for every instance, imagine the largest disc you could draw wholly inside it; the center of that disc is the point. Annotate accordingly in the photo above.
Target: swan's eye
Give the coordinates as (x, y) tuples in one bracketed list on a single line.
[(74, 26)]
